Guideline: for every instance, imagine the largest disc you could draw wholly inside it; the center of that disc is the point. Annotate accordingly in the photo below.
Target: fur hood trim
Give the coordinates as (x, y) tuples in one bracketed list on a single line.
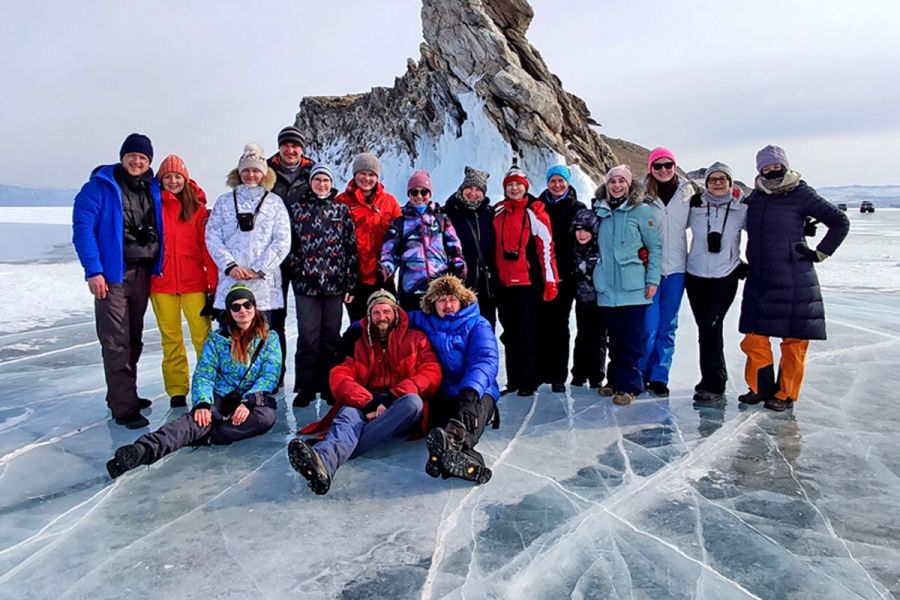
[(636, 194), (446, 285), (268, 181)]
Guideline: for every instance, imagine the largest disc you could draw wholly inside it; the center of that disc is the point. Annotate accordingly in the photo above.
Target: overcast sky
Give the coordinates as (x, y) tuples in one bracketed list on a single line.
[(710, 80)]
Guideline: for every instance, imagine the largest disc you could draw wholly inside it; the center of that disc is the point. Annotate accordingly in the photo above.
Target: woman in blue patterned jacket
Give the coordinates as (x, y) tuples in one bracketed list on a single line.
[(231, 389), (421, 244)]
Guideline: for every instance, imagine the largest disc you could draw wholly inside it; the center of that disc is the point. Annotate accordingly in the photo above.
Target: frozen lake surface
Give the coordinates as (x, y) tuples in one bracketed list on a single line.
[(656, 500)]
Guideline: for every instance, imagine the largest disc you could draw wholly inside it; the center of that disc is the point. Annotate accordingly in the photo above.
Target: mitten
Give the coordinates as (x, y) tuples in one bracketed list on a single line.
[(644, 255), (741, 270), (550, 291), (809, 227), (807, 253)]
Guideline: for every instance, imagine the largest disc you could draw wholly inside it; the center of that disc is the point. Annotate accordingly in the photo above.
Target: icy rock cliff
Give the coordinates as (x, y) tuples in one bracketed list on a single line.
[(479, 94)]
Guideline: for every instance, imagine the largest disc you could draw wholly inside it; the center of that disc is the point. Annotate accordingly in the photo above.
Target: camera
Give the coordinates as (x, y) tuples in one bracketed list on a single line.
[(511, 254), (144, 235), (246, 221), (714, 242)]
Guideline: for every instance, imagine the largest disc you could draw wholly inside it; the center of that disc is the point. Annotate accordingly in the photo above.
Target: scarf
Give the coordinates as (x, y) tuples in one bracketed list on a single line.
[(784, 185)]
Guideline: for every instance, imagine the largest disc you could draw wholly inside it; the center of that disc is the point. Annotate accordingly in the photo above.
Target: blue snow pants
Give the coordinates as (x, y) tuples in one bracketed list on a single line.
[(660, 323)]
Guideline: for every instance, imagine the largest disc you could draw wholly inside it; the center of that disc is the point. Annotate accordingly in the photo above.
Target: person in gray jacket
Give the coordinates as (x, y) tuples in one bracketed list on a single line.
[(717, 218), (249, 234)]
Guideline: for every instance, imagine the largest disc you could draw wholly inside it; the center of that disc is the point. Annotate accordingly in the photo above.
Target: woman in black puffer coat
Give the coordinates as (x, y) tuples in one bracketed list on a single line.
[(782, 296)]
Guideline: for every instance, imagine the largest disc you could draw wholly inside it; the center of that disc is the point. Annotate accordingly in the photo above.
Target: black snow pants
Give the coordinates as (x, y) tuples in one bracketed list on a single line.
[(710, 299), (517, 307), (589, 360), (553, 332)]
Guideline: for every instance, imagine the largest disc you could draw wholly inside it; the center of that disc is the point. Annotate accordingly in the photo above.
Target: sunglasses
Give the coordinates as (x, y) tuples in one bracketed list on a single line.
[(237, 306), (661, 166), (720, 179), (419, 192)]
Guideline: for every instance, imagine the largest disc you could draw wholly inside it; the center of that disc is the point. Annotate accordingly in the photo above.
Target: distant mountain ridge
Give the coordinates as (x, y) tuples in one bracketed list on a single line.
[(12, 195), (883, 196)]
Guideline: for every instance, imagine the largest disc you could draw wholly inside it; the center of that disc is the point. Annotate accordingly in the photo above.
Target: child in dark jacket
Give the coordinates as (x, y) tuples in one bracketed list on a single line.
[(589, 364)]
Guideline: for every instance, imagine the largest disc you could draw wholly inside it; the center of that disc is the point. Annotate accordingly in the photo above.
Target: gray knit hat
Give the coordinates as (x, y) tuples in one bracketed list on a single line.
[(253, 158), (475, 178), (321, 169), (771, 155), (366, 162), (292, 135), (719, 167)]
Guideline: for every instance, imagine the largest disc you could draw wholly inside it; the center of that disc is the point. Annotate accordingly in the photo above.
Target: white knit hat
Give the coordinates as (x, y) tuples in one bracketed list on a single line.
[(253, 158)]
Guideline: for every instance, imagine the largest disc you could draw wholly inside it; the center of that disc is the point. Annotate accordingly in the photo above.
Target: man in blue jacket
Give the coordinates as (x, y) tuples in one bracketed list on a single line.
[(467, 350), (117, 233)]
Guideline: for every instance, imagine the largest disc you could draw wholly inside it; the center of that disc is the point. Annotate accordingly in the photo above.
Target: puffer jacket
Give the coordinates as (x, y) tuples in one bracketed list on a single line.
[(187, 266), (323, 259), (708, 215), (585, 257), (782, 297), (217, 373), (262, 249), (371, 220), (98, 226), (407, 366), (290, 191), (561, 213), (475, 231), (620, 278), (671, 222), (523, 229), (467, 349), (422, 247)]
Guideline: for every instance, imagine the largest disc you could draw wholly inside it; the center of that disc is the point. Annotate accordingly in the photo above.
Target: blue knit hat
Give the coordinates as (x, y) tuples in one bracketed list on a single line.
[(771, 155), (561, 170), (137, 142)]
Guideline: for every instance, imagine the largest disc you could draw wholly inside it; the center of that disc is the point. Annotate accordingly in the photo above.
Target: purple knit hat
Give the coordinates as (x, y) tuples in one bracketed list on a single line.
[(419, 179), (658, 153), (771, 155)]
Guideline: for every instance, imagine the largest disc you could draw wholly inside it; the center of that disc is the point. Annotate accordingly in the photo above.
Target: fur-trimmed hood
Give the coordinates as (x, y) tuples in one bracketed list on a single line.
[(446, 285), (268, 181), (636, 194)]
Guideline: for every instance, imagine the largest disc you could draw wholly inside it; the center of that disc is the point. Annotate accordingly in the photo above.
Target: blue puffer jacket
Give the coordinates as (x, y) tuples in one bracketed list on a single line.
[(621, 279), (782, 296), (218, 373), (467, 350), (98, 226)]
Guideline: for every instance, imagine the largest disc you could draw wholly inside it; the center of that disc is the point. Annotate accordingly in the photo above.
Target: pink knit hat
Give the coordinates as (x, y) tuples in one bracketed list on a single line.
[(419, 179), (659, 153), (620, 171), (172, 164)]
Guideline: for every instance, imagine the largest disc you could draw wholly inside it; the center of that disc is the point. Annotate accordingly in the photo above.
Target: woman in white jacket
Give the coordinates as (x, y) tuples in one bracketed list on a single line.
[(718, 216), (249, 234)]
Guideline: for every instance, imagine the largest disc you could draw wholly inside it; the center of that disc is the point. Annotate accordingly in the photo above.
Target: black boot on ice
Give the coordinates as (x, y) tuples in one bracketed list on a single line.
[(440, 441), (308, 463), (778, 405), (455, 459), (125, 459), (750, 397)]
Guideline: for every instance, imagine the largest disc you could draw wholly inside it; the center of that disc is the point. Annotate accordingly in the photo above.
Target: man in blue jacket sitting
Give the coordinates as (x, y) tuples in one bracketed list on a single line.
[(467, 350), (117, 233)]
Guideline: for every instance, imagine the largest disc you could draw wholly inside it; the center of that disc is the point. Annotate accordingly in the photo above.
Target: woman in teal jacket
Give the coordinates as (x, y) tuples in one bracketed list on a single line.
[(626, 277)]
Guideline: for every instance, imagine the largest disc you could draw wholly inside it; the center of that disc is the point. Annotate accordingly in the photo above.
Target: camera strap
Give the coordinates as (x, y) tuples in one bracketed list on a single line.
[(521, 231), (724, 221), (258, 206), (256, 353)]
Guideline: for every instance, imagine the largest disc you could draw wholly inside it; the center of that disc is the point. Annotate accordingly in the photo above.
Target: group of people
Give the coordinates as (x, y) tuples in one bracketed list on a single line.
[(423, 287)]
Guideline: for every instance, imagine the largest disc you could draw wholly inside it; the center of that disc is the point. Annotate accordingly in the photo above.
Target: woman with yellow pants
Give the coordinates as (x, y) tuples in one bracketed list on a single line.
[(188, 276)]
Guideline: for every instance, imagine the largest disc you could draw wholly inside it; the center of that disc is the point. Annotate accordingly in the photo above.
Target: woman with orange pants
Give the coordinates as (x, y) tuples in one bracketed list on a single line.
[(782, 296), (188, 275)]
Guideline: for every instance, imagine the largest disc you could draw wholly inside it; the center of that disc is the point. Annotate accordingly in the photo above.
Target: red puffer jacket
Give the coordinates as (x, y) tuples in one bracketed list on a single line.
[(408, 365), (187, 267), (371, 221), (524, 251)]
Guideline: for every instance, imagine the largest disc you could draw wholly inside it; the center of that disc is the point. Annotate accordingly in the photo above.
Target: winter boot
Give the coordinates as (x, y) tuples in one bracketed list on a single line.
[(308, 463), (558, 388), (133, 421), (778, 405), (144, 403), (578, 382), (623, 398), (303, 399), (177, 401), (448, 446), (705, 397), (750, 397), (606, 391), (659, 388), (125, 459)]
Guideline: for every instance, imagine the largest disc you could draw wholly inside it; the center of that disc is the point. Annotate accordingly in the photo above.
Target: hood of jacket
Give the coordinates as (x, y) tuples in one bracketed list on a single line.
[(268, 181)]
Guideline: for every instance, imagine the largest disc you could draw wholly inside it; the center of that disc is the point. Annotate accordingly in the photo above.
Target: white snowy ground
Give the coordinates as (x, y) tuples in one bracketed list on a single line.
[(657, 500)]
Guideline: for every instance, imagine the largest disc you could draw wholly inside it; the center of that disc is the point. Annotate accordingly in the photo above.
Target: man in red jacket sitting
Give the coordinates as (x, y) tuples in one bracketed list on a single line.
[(380, 391)]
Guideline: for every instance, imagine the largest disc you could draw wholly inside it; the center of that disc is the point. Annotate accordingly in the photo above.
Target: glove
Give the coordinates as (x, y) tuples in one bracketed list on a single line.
[(644, 255), (806, 253), (468, 411), (809, 227), (550, 291), (741, 270), (207, 310)]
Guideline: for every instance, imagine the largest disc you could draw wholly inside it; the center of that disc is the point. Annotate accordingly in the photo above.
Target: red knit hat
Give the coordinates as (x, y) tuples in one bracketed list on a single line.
[(172, 164), (515, 174), (659, 153)]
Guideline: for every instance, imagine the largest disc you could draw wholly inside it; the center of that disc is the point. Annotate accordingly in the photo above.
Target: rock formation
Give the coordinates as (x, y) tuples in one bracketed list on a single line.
[(479, 94)]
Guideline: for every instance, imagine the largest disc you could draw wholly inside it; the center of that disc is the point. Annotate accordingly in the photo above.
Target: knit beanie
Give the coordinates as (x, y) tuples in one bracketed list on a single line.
[(561, 170), (292, 135), (253, 158), (515, 174), (137, 142), (172, 164), (381, 297), (475, 178), (719, 167), (321, 169), (239, 291), (419, 179), (366, 162), (657, 154), (771, 155), (620, 171)]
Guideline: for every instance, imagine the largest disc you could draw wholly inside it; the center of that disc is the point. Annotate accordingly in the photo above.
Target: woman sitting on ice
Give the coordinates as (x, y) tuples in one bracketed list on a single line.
[(231, 387)]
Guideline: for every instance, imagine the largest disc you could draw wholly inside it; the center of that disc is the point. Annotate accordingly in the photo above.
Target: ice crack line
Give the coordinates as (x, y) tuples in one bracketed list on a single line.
[(447, 525)]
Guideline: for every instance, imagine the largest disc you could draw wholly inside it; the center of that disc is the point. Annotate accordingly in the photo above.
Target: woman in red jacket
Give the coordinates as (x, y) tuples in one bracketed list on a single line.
[(188, 274)]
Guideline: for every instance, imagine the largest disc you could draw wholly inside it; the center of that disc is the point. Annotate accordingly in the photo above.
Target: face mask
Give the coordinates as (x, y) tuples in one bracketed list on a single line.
[(772, 175)]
